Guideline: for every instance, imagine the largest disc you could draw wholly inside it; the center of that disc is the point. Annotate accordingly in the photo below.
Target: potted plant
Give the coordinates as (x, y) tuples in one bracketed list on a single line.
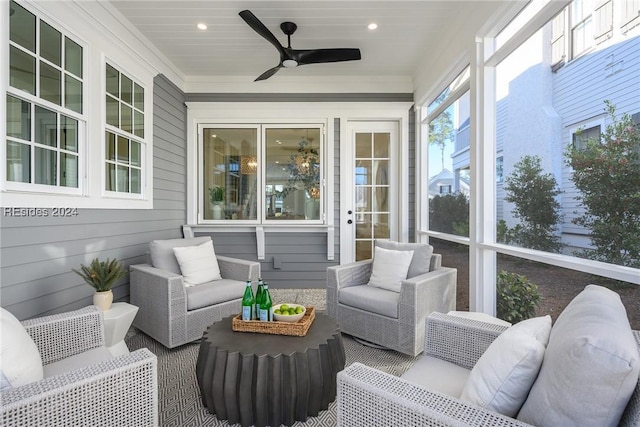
[(216, 195), (304, 174), (101, 275)]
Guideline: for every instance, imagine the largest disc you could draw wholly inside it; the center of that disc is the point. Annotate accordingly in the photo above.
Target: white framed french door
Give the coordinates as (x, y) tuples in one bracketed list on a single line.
[(369, 193)]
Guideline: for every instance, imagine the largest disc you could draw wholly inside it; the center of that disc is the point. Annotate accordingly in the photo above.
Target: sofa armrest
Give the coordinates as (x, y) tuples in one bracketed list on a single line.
[(238, 269), (162, 302), (459, 340), (369, 397), (352, 274), (117, 392), (433, 291), (62, 335)]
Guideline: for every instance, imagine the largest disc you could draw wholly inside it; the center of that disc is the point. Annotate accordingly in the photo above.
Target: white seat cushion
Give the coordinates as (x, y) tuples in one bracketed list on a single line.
[(162, 255), (590, 367), (389, 268), (77, 361), (371, 299), (502, 377), (215, 292), (20, 361), (198, 264), (438, 375)]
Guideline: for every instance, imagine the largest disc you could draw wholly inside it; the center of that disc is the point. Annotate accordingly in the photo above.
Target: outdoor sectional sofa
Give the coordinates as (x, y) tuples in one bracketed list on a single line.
[(587, 376)]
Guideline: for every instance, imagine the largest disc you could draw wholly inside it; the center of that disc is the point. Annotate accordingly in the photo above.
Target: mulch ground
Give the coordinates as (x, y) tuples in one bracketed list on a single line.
[(557, 286)]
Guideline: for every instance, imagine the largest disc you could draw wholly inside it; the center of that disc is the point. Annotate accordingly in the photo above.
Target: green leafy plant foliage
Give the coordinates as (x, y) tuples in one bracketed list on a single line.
[(517, 298), (607, 173), (449, 213), (101, 275), (533, 194), (216, 194)]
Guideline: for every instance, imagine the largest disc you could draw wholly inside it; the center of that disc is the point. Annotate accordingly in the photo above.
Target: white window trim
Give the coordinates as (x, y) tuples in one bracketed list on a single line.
[(146, 157), (261, 129), (11, 190), (273, 112), (98, 43), (586, 124)]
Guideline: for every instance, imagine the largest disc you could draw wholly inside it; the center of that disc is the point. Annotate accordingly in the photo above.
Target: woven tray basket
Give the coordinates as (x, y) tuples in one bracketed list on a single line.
[(297, 329)]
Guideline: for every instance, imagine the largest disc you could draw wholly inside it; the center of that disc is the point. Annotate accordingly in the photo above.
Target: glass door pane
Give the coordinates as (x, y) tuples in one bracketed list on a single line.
[(372, 186)]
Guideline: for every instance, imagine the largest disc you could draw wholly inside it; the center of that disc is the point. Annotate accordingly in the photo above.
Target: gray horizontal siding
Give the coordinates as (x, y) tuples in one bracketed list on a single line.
[(580, 89), (37, 255), (302, 256)]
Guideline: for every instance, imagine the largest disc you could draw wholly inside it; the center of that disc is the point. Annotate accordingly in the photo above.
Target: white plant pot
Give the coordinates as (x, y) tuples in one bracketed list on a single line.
[(217, 211), (103, 299), (312, 209)]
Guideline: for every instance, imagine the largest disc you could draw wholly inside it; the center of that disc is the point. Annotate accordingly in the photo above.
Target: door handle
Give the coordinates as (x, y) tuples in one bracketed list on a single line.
[(349, 222), (349, 212)]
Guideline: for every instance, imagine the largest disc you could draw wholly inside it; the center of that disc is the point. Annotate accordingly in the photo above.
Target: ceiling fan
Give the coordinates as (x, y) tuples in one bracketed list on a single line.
[(290, 58)]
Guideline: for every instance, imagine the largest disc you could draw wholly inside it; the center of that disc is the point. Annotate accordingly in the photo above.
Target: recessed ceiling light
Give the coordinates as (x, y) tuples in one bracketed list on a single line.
[(372, 26), (202, 26)]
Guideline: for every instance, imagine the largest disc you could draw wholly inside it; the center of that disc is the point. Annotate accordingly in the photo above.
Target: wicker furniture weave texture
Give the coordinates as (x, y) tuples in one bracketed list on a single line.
[(367, 396), (122, 391), (419, 296), (162, 301)]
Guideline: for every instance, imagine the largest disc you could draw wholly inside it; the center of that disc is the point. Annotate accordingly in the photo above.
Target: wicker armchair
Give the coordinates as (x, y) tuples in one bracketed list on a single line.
[(369, 397), (419, 296), (163, 300), (122, 391)]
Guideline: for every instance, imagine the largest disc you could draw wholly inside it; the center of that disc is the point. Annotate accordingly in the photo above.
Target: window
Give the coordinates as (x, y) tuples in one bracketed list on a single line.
[(124, 136), (581, 26), (239, 160), (581, 136), (447, 127), (499, 169), (44, 106)]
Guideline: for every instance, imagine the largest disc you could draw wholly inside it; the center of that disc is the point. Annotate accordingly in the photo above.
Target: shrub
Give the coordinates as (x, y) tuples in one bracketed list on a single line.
[(517, 298), (449, 213), (607, 174), (533, 194)]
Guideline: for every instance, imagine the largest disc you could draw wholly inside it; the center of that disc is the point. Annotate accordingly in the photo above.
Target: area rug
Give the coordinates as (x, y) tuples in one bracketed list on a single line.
[(178, 394)]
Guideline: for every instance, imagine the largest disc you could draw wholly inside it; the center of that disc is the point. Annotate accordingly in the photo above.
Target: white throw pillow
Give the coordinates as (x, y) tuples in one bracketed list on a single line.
[(20, 361), (389, 268), (198, 264), (502, 377)]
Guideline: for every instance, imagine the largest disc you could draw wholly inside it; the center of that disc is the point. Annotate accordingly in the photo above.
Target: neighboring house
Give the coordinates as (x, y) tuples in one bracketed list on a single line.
[(554, 85), (445, 182)]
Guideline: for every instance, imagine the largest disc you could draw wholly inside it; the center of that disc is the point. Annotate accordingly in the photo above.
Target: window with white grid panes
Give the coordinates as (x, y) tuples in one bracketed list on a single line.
[(44, 118), (125, 132)]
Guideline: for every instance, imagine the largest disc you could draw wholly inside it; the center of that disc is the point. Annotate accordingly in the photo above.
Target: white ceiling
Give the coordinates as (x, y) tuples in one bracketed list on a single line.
[(408, 31)]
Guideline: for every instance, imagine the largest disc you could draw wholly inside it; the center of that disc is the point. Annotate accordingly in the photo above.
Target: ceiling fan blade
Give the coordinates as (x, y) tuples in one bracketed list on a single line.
[(317, 56), (268, 73), (260, 28)]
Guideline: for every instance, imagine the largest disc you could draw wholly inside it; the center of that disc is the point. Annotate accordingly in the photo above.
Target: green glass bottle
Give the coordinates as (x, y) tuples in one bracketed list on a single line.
[(248, 303), (259, 296), (266, 311)]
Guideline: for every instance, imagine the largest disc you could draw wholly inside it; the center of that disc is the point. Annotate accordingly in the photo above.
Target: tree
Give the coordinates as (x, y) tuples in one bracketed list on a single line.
[(607, 174), (534, 195), (441, 129)]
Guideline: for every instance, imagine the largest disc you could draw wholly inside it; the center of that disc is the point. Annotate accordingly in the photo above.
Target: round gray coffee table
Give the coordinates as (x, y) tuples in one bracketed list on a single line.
[(261, 379)]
